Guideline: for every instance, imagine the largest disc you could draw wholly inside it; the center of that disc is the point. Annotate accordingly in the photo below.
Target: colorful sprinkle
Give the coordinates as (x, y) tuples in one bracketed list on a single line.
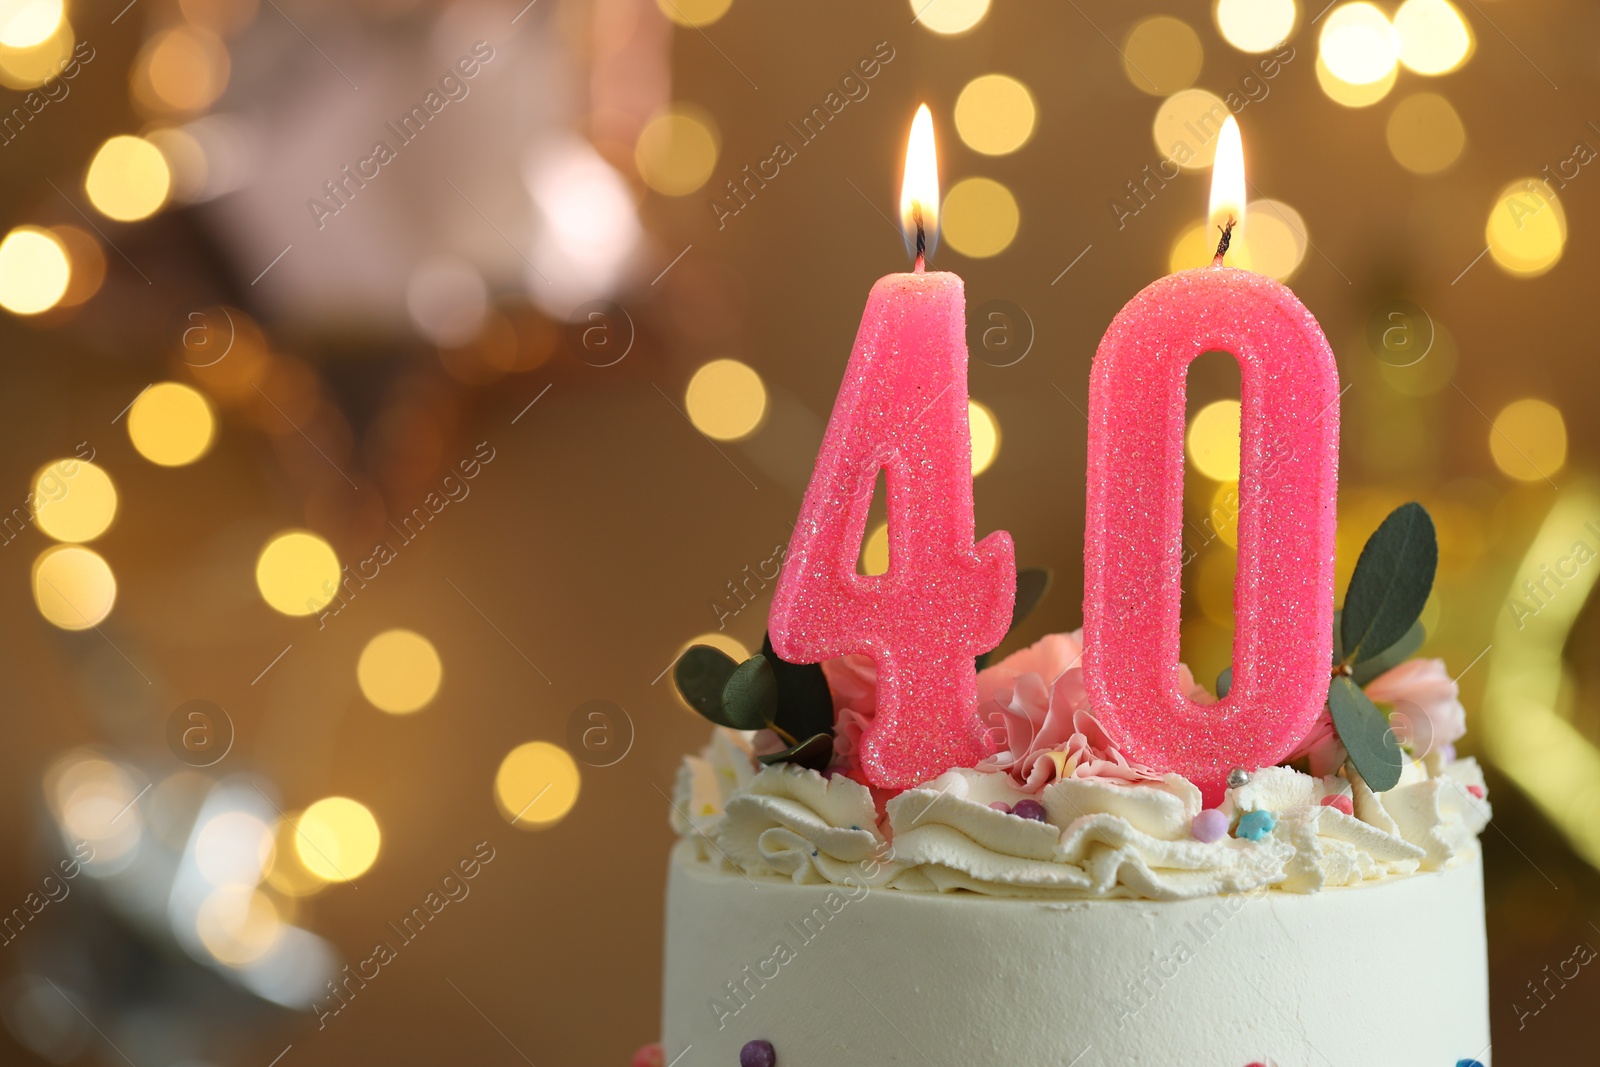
[(1447, 753), (1254, 825), (758, 1053), (1000, 805), (1030, 809), (1339, 802), (1210, 825), (1238, 778), (1469, 1063), (649, 1056), (1476, 791)]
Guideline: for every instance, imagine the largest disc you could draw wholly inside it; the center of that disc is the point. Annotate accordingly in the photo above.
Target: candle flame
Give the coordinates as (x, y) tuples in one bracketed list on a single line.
[(919, 189), (1227, 179)]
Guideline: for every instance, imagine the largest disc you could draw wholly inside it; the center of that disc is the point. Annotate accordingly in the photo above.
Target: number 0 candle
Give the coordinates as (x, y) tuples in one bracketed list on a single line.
[(1288, 469), (902, 409)]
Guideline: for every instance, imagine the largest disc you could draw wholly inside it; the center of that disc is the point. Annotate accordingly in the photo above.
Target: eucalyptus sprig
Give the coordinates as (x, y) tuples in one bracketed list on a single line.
[(793, 700), (1379, 627)]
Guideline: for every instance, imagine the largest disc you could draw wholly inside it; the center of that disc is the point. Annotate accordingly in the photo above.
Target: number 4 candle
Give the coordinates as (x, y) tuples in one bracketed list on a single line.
[(903, 409), (1288, 468)]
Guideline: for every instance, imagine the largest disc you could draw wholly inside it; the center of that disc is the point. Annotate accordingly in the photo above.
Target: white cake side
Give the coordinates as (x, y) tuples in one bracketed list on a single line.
[(1393, 972)]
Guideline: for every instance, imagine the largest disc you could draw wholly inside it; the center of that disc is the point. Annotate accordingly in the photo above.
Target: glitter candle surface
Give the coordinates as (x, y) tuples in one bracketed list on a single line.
[(1133, 551), (902, 409)]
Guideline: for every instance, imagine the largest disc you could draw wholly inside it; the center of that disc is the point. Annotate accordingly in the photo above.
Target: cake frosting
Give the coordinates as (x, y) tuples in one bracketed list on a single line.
[(1102, 839), (1393, 974)]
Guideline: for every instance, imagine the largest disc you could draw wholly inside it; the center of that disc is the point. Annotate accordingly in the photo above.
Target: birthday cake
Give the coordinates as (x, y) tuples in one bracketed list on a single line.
[(894, 851)]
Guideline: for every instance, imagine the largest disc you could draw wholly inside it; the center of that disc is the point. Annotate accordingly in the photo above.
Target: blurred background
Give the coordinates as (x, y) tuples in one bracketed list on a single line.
[(395, 388)]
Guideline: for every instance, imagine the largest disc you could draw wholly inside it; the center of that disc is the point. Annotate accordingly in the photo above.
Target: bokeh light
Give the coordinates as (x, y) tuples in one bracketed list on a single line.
[(337, 839), (1432, 36), (1162, 55), (1214, 441), (73, 587), (694, 13), (1224, 514), (1425, 134), (1255, 25), (1527, 228), (949, 17), (985, 436), (1357, 43), (537, 785), (95, 800), (447, 299), (677, 150), (1529, 440), (26, 23), (87, 264), (875, 550), (995, 114), (181, 69), (1348, 94), (233, 849), (28, 68), (979, 217), (726, 400), (1186, 127), (128, 179), (298, 573), (171, 424), (286, 873), (399, 671), (1277, 238), (238, 924), (34, 270), (73, 500), (718, 639)]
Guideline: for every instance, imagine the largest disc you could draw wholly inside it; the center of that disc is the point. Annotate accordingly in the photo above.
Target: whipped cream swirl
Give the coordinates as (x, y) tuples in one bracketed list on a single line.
[(1103, 838)]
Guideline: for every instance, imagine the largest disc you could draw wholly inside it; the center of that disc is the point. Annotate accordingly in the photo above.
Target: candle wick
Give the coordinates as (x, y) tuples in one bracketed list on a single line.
[(1222, 245), (922, 238)]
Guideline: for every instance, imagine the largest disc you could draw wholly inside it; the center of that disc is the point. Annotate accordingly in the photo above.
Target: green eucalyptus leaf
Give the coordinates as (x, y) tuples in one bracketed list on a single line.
[(1338, 637), (1364, 729), (1224, 683), (1391, 657), (1032, 584), (700, 675), (750, 699), (1391, 582), (815, 752), (805, 703)]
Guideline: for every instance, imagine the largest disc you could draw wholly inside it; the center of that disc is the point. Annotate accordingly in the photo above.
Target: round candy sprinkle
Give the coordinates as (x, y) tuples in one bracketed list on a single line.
[(1469, 1063), (649, 1056), (1030, 809), (1210, 825), (1447, 753), (1476, 791), (1238, 778), (1254, 825), (1000, 805), (758, 1053), (1339, 802)]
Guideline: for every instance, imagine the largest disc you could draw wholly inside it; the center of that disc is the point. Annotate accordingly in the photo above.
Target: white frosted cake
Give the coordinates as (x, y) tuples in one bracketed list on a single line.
[(1058, 904)]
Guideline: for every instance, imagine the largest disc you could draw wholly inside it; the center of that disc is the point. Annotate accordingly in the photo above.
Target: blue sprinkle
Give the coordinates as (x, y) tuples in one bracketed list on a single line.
[(1254, 825), (813, 852), (1469, 1063), (853, 826)]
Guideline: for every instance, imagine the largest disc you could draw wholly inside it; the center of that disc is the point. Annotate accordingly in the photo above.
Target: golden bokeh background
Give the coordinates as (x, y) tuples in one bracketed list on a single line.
[(362, 504)]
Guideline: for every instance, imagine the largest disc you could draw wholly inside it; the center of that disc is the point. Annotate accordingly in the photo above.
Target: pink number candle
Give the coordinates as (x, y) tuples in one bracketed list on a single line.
[(1283, 595), (902, 409)]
